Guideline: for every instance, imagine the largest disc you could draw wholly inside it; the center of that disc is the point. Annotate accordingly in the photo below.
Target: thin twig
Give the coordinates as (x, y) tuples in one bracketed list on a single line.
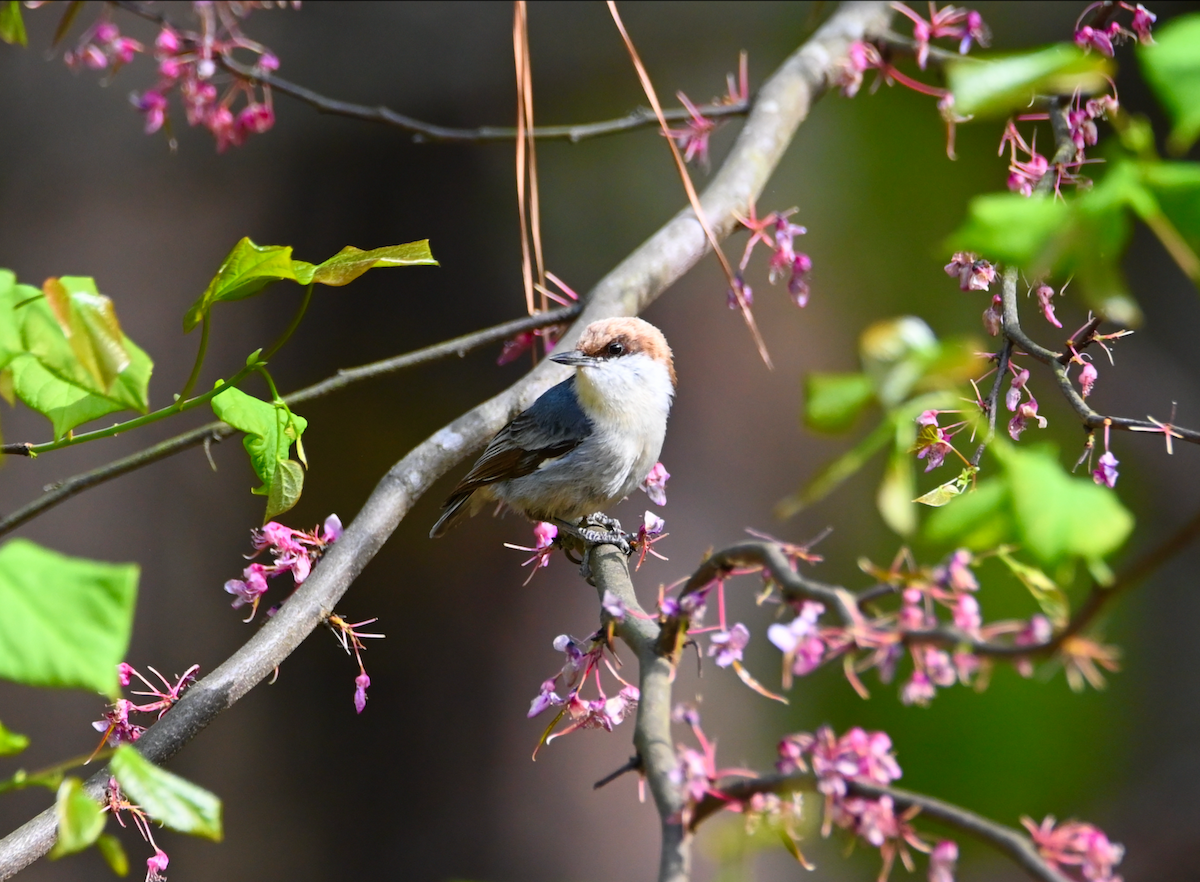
[(219, 431), (1005, 839)]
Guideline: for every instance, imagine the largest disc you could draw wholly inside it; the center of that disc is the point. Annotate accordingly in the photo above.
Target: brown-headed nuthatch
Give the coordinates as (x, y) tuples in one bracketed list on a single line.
[(584, 444)]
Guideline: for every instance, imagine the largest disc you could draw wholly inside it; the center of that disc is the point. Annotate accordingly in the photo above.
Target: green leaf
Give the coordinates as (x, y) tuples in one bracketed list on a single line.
[(1011, 228), (10, 330), (894, 497), (1176, 186), (66, 620), (350, 263), (834, 473), (942, 494), (43, 338), (270, 432), (169, 799), (247, 270), (285, 488), (1045, 591), (65, 404), (11, 742), (895, 354), (832, 402), (978, 519), (113, 852), (80, 820), (89, 323), (1171, 65), (1059, 516), (1000, 85), (12, 26)]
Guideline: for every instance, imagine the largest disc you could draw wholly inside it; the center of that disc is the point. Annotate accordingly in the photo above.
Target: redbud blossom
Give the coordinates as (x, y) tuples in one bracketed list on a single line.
[(993, 316), (655, 484), (1027, 411), (1076, 844), (802, 648), (942, 861), (614, 606), (1087, 379), (918, 690), (361, 683), (1143, 18), (1088, 38), (974, 273), (1044, 293), (727, 646), (156, 866), (1106, 470)]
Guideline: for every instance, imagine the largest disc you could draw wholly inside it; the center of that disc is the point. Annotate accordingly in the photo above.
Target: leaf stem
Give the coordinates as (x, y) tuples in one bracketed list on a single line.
[(200, 353)]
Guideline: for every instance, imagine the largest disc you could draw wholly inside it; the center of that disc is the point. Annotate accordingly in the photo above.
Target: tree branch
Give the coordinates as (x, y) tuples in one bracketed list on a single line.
[(218, 431), (1012, 842), (652, 732), (425, 132), (782, 104)]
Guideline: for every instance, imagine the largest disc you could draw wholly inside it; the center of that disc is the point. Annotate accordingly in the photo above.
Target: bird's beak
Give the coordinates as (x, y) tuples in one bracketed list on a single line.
[(575, 358)]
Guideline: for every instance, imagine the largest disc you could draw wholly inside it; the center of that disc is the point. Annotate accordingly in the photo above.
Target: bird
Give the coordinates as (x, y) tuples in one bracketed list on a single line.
[(586, 443)]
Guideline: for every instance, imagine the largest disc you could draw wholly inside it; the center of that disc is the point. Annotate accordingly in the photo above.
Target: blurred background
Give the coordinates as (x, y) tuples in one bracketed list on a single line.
[(434, 780)]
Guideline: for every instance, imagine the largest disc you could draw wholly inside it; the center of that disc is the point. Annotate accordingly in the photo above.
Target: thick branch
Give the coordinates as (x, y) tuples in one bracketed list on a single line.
[(218, 431), (1012, 842), (782, 104), (652, 733)]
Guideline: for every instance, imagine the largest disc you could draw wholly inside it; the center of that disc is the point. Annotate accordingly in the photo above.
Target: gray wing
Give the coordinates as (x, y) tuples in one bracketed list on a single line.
[(552, 426)]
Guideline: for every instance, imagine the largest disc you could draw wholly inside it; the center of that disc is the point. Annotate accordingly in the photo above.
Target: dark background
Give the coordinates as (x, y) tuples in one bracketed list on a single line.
[(433, 781)]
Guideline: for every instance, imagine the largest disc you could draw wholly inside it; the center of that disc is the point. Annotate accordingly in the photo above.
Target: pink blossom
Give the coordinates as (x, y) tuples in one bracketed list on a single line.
[(124, 671), (918, 690), (156, 866), (1087, 379), (966, 614), (993, 316), (154, 106), (1143, 18), (1106, 470), (167, 41), (974, 273), (1088, 38), (860, 57), (1044, 292), (249, 589), (1013, 397), (655, 484), (942, 861), (727, 646), (614, 606), (1076, 844), (1027, 411), (547, 697), (361, 683)]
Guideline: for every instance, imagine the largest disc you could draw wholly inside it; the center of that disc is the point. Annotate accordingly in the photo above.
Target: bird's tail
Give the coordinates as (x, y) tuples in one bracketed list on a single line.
[(451, 516)]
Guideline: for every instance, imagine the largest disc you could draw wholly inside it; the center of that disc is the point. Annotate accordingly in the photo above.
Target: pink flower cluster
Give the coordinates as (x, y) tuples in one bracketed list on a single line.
[(188, 61), (865, 756), (881, 642), (964, 25), (778, 234), (1076, 844), (1105, 33), (115, 803), (102, 47), (973, 273), (692, 139), (117, 726), (294, 551), (583, 659)]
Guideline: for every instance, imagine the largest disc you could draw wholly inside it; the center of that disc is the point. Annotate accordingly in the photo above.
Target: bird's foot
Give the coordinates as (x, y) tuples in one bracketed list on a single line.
[(600, 529)]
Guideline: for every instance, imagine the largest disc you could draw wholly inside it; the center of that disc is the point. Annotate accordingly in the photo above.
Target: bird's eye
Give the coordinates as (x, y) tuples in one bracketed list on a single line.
[(615, 348)]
